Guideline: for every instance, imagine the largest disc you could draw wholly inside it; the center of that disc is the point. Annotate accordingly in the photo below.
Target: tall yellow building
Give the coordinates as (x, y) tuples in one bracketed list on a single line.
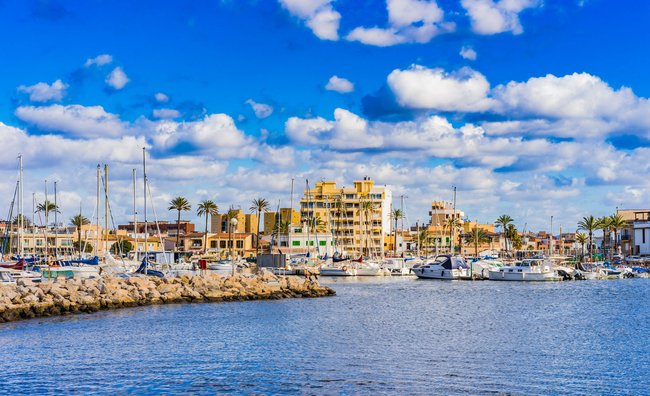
[(270, 219), (358, 216), (246, 222)]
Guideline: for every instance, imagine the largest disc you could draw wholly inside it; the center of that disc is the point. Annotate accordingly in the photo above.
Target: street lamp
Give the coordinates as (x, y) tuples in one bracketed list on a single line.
[(233, 224)]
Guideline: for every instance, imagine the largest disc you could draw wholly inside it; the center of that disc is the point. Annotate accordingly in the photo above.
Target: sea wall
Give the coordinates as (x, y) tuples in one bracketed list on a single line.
[(25, 300)]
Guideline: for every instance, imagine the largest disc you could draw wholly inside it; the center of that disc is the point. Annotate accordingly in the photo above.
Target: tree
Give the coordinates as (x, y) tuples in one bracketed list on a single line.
[(85, 246), (515, 238), (316, 224), (179, 204), (366, 208), (121, 247), (503, 221), (26, 221), (604, 224), (582, 239), (281, 228), (396, 214), (451, 224), (616, 223), (477, 237), (79, 221), (47, 207), (589, 224), (423, 239), (207, 208), (259, 205)]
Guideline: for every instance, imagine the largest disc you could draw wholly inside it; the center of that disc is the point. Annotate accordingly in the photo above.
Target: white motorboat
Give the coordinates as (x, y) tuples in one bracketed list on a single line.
[(398, 266), (369, 268), (531, 270), (481, 268), (443, 267), (71, 271), (343, 270)]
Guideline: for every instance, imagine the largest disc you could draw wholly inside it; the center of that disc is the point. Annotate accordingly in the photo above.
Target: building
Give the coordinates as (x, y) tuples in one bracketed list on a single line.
[(166, 228), (440, 235), (242, 244), (272, 218), (358, 216), (246, 222), (299, 241)]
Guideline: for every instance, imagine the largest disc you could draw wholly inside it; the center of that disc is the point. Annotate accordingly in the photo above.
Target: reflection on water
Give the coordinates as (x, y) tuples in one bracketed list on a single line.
[(378, 335)]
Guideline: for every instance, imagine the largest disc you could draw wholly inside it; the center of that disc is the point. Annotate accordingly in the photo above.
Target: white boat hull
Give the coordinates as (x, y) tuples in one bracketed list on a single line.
[(436, 273), (523, 276), (332, 271)]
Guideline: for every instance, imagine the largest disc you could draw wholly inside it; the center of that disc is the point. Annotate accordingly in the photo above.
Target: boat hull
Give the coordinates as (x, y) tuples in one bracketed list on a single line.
[(443, 274)]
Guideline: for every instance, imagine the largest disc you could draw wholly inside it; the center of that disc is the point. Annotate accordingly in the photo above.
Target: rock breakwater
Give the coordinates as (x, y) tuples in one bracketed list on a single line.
[(25, 300)]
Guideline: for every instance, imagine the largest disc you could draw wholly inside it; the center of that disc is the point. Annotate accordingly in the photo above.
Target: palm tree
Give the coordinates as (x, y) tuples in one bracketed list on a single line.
[(503, 221), (259, 205), (366, 208), (589, 224), (582, 239), (47, 207), (316, 224), (281, 228), (423, 238), (477, 237), (207, 208), (179, 204), (603, 224), (79, 221), (616, 222), (452, 224), (397, 214)]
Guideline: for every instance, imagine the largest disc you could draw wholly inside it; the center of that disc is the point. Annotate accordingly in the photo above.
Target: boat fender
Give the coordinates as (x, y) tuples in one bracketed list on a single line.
[(344, 268)]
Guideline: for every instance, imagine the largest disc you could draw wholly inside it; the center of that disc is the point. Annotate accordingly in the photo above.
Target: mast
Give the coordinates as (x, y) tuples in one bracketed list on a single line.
[(453, 224), (144, 181), (21, 214), (79, 233), (290, 247), (135, 218), (308, 217), (550, 244), (47, 212), (56, 232), (34, 225), (106, 208), (97, 216)]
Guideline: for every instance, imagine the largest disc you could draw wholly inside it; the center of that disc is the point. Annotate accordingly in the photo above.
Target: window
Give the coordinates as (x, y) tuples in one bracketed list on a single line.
[(222, 244), (295, 243), (322, 243), (643, 234), (240, 244), (283, 243), (213, 244)]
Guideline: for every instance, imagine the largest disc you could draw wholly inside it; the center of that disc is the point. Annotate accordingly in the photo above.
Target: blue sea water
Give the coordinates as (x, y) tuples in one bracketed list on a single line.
[(377, 336)]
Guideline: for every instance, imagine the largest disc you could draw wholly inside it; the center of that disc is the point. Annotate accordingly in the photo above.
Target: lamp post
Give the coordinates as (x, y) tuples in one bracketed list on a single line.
[(233, 224)]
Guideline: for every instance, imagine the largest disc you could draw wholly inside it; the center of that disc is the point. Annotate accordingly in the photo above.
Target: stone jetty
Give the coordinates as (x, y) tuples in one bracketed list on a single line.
[(26, 300)]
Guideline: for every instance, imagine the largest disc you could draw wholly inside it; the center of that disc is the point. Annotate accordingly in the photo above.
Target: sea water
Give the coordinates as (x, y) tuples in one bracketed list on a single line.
[(377, 336)]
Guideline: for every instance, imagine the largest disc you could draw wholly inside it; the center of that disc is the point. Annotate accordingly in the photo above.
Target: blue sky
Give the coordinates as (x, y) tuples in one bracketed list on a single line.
[(532, 108)]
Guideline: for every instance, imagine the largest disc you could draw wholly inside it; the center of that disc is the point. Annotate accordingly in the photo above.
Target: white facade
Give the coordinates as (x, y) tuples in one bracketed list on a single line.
[(642, 237), (300, 241)]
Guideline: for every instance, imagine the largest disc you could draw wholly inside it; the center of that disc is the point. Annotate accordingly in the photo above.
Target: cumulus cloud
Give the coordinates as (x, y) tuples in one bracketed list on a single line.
[(99, 60), (261, 110), (307, 131), (161, 97), (422, 88), (490, 17), (319, 15), (82, 121), (468, 53), (215, 133), (410, 21), (117, 79), (166, 113), (44, 92), (339, 84)]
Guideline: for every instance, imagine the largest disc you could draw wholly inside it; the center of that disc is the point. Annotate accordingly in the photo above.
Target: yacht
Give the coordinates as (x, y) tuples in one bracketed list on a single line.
[(5, 277), (344, 269), (443, 267), (531, 270), (398, 266)]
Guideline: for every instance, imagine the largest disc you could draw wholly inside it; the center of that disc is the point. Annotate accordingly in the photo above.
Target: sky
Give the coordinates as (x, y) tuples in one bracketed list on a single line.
[(529, 108)]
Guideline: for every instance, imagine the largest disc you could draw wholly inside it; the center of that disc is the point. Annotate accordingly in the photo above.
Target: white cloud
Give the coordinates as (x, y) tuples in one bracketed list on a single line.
[(44, 92), (307, 131), (490, 17), (319, 16), (339, 84), (215, 134), (161, 97), (99, 60), (261, 110), (82, 121), (166, 113), (422, 88), (117, 79), (468, 53), (410, 21)]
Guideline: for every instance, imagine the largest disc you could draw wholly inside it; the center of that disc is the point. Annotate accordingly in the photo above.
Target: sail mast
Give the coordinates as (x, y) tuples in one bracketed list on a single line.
[(21, 215), (290, 247), (97, 216), (135, 218), (106, 208), (56, 232), (146, 237)]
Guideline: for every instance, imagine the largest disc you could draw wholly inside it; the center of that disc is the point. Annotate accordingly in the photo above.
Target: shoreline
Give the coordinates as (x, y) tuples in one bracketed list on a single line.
[(26, 300)]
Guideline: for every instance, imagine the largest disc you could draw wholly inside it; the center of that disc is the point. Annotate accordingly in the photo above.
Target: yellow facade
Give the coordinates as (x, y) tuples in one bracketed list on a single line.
[(270, 219), (340, 210), (246, 222)]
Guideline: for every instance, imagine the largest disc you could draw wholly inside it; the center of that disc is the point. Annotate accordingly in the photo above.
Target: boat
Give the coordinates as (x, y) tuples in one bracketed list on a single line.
[(6, 277), (481, 268), (343, 270), (369, 268), (398, 266), (71, 271), (527, 270), (443, 267)]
